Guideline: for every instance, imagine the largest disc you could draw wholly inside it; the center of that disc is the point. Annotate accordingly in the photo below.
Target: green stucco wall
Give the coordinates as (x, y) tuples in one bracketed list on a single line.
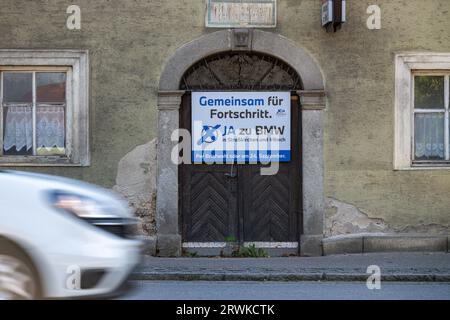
[(130, 41)]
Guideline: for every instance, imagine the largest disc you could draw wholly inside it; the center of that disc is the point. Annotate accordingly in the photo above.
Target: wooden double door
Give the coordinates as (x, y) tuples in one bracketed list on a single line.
[(234, 202)]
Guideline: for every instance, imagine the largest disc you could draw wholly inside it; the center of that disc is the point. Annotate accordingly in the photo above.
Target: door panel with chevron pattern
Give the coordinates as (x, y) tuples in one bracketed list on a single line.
[(269, 208), (210, 204)]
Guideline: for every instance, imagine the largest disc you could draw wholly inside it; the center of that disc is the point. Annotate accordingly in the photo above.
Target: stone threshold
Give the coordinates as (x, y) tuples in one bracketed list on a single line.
[(226, 249)]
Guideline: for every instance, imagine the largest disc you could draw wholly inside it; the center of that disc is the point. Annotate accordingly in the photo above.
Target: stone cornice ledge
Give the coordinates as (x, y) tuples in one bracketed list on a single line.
[(169, 100), (312, 99)]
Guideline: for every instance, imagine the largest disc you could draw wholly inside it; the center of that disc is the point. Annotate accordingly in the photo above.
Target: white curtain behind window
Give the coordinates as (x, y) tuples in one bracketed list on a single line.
[(18, 128), (50, 127), (429, 136)]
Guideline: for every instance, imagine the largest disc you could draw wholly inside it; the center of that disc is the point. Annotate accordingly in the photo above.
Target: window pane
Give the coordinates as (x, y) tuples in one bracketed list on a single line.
[(429, 136), (17, 130), (50, 130), (429, 92), (51, 87), (17, 87)]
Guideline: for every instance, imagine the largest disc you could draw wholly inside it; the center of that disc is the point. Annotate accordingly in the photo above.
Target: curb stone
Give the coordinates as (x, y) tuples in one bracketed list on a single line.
[(150, 276)]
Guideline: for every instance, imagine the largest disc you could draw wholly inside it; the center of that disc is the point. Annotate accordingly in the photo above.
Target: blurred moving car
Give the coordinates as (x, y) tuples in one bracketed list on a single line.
[(62, 238)]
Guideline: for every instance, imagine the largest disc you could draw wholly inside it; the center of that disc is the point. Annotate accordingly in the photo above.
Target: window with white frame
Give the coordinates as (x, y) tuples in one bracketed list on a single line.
[(33, 111), (422, 125), (43, 108), (431, 118)]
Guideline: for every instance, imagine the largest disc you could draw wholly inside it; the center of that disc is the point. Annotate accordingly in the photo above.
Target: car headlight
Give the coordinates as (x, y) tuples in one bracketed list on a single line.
[(95, 213), (81, 206)]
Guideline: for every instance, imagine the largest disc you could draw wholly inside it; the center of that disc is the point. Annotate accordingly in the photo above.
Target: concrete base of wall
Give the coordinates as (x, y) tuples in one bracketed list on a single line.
[(311, 245), (168, 245), (364, 243), (148, 244)]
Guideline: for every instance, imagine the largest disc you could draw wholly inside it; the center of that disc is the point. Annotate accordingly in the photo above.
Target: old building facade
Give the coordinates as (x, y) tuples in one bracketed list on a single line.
[(370, 169)]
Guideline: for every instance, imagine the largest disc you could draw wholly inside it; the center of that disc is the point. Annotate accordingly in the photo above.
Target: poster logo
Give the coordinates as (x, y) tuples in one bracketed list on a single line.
[(209, 134)]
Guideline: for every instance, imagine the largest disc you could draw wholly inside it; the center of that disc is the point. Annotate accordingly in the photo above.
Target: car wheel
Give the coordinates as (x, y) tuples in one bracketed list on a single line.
[(17, 279)]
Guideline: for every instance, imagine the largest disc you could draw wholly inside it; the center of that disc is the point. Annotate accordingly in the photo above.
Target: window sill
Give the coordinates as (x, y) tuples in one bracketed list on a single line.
[(37, 161), (425, 166)]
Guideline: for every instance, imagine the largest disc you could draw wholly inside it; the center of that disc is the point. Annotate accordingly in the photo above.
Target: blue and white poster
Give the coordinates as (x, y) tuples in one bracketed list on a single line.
[(242, 127)]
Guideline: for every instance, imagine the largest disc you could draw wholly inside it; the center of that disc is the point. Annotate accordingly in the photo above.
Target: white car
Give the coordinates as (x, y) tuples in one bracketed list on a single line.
[(61, 238)]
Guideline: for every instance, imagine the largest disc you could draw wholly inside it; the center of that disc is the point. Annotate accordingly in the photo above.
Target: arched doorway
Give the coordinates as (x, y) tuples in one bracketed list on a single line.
[(225, 205), (288, 67)]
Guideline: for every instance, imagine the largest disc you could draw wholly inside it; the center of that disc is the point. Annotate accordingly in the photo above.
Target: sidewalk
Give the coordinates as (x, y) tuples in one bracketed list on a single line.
[(417, 267)]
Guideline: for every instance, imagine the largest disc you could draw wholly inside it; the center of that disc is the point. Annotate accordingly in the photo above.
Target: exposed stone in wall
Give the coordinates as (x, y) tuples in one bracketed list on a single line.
[(343, 218), (136, 181)]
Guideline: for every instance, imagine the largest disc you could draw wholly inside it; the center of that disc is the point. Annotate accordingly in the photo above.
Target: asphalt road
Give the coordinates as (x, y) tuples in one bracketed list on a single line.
[(243, 290)]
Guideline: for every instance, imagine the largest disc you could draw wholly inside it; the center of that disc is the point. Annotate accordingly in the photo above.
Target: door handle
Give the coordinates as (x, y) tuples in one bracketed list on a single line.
[(230, 175)]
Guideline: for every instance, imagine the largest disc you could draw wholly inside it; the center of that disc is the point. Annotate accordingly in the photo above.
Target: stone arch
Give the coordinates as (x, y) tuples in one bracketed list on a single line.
[(225, 40), (312, 99)]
